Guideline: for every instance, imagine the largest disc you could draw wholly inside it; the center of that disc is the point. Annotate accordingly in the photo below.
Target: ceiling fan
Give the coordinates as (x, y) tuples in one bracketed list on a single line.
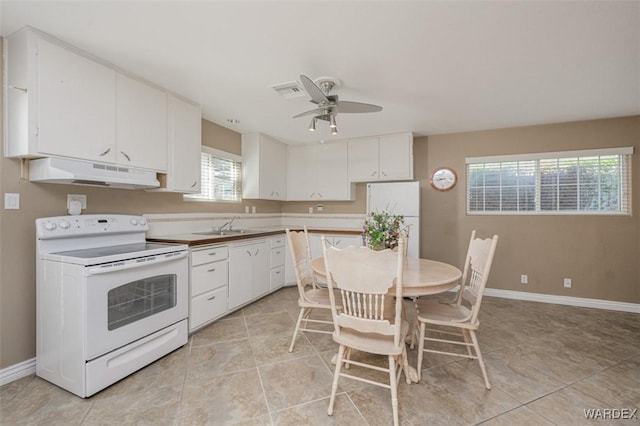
[(328, 105)]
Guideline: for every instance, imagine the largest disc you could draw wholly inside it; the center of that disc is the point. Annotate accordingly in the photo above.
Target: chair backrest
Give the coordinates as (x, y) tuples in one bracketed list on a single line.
[(301, 257), (477, 267), (363, 278)]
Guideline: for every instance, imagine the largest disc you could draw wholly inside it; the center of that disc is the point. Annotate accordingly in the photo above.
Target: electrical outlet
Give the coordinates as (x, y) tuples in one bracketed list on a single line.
[(77, 197), (524, 279), (567, 283), (319, 208)]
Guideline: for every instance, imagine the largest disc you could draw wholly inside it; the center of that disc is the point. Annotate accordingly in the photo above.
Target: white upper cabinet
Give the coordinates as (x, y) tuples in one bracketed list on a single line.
[(58, 102), (383, 158), (184, 147), (67, 103), (141, 123), (264, 167), (318, 172)]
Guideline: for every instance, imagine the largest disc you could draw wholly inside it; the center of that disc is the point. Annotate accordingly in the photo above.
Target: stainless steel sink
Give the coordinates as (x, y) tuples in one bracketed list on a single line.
[(224, 232)]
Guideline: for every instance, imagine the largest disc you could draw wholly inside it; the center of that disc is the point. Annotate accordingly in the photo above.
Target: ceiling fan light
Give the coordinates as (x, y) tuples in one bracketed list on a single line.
[(334, 130), (312, 126), (332, 122)]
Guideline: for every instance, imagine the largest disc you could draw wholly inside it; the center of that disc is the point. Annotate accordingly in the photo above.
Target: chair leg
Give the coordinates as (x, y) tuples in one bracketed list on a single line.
[(421, 349), (394, 388), (347, 355), (476, 346), (465, 336), (336, 377), (295, 330), (405, 365)]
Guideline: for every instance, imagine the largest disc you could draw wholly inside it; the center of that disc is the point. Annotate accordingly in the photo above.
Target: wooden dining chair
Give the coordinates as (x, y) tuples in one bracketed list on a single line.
[(312, 299), (462, 314), (371, 318)]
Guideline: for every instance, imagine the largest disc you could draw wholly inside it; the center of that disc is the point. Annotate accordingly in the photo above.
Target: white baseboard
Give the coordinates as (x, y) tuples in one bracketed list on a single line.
[(17, 371), (564, 300)]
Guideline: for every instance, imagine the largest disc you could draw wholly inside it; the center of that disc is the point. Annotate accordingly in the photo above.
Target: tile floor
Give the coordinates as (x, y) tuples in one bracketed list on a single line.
[(547, 363)]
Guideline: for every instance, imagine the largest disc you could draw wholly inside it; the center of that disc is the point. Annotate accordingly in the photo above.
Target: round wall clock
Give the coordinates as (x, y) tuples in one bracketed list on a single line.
[(443, 179)]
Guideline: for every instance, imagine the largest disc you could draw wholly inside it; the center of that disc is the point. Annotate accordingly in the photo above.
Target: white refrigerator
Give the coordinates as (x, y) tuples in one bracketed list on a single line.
[(399, 198)]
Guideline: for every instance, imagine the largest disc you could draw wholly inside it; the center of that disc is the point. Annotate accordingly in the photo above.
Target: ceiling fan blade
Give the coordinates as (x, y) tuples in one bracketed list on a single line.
[(317, 96), (355, 107), (316, 111)]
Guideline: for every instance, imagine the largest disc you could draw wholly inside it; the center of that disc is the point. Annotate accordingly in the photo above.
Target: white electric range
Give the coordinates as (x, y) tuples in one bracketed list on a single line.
[(108, 302)]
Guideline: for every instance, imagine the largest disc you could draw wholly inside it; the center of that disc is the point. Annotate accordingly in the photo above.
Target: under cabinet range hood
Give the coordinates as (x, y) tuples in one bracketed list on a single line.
[(76, 172)]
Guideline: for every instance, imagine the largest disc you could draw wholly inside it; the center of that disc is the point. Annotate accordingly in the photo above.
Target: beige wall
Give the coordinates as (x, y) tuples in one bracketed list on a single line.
[(600, 253)]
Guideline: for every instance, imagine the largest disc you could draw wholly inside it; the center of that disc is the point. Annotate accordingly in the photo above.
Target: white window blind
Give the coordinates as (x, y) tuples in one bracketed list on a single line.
[(572, 182), (221, 176)]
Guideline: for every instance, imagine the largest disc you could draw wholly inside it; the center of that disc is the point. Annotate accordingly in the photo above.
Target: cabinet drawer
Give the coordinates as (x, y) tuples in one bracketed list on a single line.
[(276, 279), (277, 241), (277, 257), (213, 254), (209, 276), (207, 306)]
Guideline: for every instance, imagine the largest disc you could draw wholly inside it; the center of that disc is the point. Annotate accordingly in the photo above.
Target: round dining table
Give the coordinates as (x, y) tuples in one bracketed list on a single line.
[(421, 276)]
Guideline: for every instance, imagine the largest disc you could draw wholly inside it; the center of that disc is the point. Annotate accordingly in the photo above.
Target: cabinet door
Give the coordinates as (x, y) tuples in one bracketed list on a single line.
[(363, 160), (185, 141), (396, 157), (141, 121), (300, 179), (240, 275), (332, 176), (76, 105), (273, 169), (260, 263)]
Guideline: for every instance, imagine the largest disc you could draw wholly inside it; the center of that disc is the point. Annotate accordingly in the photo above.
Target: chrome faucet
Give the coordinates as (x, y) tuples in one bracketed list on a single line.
[(230, 223)]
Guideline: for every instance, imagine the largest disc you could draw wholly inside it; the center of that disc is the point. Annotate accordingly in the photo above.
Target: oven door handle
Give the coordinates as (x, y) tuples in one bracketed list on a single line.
[(130, 264)]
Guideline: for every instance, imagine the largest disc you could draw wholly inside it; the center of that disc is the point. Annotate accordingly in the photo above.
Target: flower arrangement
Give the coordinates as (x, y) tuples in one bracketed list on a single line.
[(382, 230)]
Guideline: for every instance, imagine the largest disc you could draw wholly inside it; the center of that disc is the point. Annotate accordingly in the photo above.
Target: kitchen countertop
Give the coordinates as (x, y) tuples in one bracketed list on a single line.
[(192, 239)]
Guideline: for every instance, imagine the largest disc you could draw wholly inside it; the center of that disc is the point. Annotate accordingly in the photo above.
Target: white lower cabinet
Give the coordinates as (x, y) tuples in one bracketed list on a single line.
[(248, 271), (224, 277), (209, 285)]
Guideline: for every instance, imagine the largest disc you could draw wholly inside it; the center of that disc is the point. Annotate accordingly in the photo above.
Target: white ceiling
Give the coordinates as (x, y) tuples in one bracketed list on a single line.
[(435, 67)]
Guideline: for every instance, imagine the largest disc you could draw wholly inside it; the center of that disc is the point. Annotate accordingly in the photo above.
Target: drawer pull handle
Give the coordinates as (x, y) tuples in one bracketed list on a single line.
[(211, 298), (105, 153), (211, 270), (212, 254), (278, 272)]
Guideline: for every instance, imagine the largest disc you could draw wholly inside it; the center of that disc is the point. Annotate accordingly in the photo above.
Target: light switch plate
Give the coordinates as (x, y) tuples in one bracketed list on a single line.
[(11, 201)]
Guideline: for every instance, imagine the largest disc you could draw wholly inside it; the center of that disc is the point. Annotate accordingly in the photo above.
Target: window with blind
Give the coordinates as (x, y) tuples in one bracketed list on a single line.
[(221, 176), (594, 181)]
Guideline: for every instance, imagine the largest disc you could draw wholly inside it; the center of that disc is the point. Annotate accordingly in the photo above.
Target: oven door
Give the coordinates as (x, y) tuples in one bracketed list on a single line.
[(129, 300)]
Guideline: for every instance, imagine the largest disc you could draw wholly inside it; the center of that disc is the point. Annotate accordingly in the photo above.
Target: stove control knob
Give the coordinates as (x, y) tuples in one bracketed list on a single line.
[(64, 224), (143, 221), (134, 221), (50, 226)]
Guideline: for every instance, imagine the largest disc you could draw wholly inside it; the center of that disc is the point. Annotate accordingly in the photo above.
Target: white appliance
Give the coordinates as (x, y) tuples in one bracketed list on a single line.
[(108, 302), (399, 198), (69, 171)]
